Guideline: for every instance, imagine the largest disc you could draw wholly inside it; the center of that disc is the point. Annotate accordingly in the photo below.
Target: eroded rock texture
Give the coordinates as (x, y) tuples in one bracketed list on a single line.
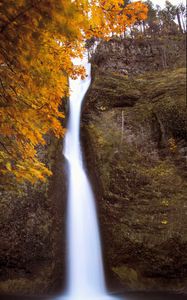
[(134, 133)]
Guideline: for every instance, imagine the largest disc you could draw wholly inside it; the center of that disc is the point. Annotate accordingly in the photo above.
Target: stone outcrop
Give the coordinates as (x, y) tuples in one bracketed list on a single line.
[(134, 133), (32, 223), (135, 56)]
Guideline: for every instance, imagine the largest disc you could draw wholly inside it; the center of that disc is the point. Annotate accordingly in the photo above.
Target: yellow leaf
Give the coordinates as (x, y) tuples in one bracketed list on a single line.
[(8, 166), (164, 222)]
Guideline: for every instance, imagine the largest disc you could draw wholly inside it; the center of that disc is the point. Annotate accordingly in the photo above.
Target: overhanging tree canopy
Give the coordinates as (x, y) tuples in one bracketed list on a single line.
[(38, 39)]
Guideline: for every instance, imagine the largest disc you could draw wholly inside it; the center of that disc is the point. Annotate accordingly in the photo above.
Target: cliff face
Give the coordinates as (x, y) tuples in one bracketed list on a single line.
[(136, 56), (32, 231), (134, 132)]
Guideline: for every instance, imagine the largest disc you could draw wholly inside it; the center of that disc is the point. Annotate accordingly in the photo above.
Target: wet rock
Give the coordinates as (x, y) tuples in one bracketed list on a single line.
[(134, 152), (32, 259)]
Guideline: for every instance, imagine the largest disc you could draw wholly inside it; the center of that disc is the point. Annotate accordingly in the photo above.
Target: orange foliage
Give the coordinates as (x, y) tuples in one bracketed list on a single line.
[(38, 39)]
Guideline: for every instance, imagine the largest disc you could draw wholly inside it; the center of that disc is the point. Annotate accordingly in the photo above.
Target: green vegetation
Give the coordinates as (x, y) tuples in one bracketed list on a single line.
[(137, 131)]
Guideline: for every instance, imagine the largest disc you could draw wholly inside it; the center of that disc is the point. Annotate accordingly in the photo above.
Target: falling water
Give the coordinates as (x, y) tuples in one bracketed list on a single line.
[(85, 267)]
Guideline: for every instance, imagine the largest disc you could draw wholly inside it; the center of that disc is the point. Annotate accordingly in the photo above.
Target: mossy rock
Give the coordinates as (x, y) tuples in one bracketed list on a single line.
[(136, 150)]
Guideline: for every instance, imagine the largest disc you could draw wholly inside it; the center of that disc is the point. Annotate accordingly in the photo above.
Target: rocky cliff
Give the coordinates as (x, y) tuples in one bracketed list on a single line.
[(134, 132), (143, 54)]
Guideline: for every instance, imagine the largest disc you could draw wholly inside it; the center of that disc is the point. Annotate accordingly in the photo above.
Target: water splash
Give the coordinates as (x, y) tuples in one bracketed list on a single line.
[(85, 268)]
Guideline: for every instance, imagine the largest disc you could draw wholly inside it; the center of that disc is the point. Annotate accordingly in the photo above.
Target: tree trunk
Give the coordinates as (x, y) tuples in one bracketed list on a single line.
[(179, 21), (183, 24)]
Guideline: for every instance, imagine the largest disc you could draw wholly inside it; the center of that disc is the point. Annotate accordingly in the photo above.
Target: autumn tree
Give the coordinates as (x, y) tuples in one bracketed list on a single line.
[(38, 39)]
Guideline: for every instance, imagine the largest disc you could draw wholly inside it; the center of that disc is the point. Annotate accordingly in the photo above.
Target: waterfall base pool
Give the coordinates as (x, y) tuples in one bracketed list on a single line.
[(125, 296), (104, 297)]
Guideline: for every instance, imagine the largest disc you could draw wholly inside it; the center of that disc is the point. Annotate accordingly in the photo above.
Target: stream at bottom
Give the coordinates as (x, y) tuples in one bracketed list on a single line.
[(126, 296)]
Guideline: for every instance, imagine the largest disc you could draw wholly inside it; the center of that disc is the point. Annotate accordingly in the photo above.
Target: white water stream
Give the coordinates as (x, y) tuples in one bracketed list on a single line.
[(85, 268)]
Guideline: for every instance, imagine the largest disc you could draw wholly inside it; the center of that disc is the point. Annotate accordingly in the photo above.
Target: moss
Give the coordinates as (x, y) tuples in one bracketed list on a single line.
[(29, 247), (141, 171), (40, 283), (128, 275)]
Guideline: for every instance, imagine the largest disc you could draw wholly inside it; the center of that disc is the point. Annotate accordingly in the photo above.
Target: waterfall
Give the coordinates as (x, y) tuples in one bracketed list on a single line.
[(85, 278)]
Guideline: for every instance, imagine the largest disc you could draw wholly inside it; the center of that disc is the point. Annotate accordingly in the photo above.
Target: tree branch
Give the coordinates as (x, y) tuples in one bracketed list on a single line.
[(1, 143)]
